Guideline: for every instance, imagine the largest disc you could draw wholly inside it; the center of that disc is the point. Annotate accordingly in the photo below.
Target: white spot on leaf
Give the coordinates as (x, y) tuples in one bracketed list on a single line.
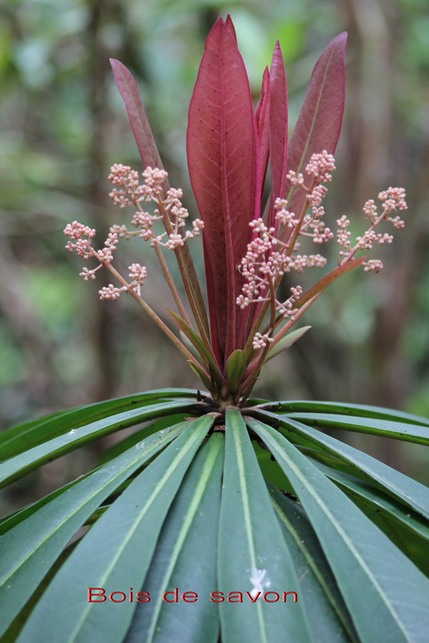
[(259, 580)]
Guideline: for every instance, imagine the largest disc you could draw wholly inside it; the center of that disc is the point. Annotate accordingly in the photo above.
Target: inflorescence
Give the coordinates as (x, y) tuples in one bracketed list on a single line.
[(271, 253), (129, 192), (269, 257)]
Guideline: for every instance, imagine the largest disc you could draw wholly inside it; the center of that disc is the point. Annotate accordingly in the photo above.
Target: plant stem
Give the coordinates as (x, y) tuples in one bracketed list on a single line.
[(189, 279), (152, 314), (171, 284)]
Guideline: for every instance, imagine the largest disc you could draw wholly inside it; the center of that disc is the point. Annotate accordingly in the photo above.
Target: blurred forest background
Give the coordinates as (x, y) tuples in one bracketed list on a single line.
[(62, 124)]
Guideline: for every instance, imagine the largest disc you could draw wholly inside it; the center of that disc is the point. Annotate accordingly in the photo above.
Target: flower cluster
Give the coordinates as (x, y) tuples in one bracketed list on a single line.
[(127, 192), (392, 200), (80, 239), (137, 274), (260, 341), (268, 257)]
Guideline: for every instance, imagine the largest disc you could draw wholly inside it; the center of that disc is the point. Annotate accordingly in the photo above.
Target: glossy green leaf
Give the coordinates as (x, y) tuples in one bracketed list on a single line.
[(24, 436), (115, 558), (327, 613), (380, 501), (13, 631), (141, 434), (385, 593), (403, 526), (352, 410), (184, 559), (13, 519), (34, 544), (29, 460), (253, 555), (398, 485), (383, 427)]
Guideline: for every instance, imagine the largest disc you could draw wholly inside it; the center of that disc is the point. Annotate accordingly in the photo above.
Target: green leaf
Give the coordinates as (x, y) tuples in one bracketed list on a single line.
[(327, 613), (403, 526), (383, 427), (115, 554), (184, 559), (378, 500), (22, 437), (32, 546), (364, 561), (253, 556), (29, 460), (13, 519), (135, 438), (353, 410), (235, 367), (396, 484), (286, 341), (16, 626)]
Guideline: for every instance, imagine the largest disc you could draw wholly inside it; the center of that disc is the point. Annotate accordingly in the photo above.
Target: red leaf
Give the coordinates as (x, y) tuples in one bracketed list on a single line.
[(139, 123), (278, 129), (262, 137), (221, 160), (230, 26), (149, 155), (319, 122), (272, 136)]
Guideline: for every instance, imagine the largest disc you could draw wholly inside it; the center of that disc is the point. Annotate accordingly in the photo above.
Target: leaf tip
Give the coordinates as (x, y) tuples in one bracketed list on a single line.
[(230, 26)]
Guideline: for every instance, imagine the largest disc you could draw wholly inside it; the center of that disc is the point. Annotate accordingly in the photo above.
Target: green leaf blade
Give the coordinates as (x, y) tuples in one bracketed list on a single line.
[(115, 558), (24, 436), (253, 556), (341, 408), (328, 616), (400, 486), (383, 427), (364, 561), (408, 530), (74, 438), (184, 559), (34, 544)]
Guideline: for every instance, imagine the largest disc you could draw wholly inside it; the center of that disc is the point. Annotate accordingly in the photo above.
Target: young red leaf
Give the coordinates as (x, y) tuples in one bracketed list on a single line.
[(319, 122), (262, 122), (222, 160), (139, 123), (278, 129), (149, 155), (272, 138), (230, 26)]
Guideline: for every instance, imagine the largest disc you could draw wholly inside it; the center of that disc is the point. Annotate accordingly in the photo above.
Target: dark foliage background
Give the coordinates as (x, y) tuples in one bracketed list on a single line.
[(62, 125)]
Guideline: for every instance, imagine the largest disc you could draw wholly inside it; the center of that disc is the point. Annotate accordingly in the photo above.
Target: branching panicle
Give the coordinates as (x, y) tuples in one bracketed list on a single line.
[(392, 200), (267, 259), (128, 191)]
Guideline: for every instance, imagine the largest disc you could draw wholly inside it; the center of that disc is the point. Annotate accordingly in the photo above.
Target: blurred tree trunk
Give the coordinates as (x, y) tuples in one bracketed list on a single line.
[(372, 131), (103, 322)]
